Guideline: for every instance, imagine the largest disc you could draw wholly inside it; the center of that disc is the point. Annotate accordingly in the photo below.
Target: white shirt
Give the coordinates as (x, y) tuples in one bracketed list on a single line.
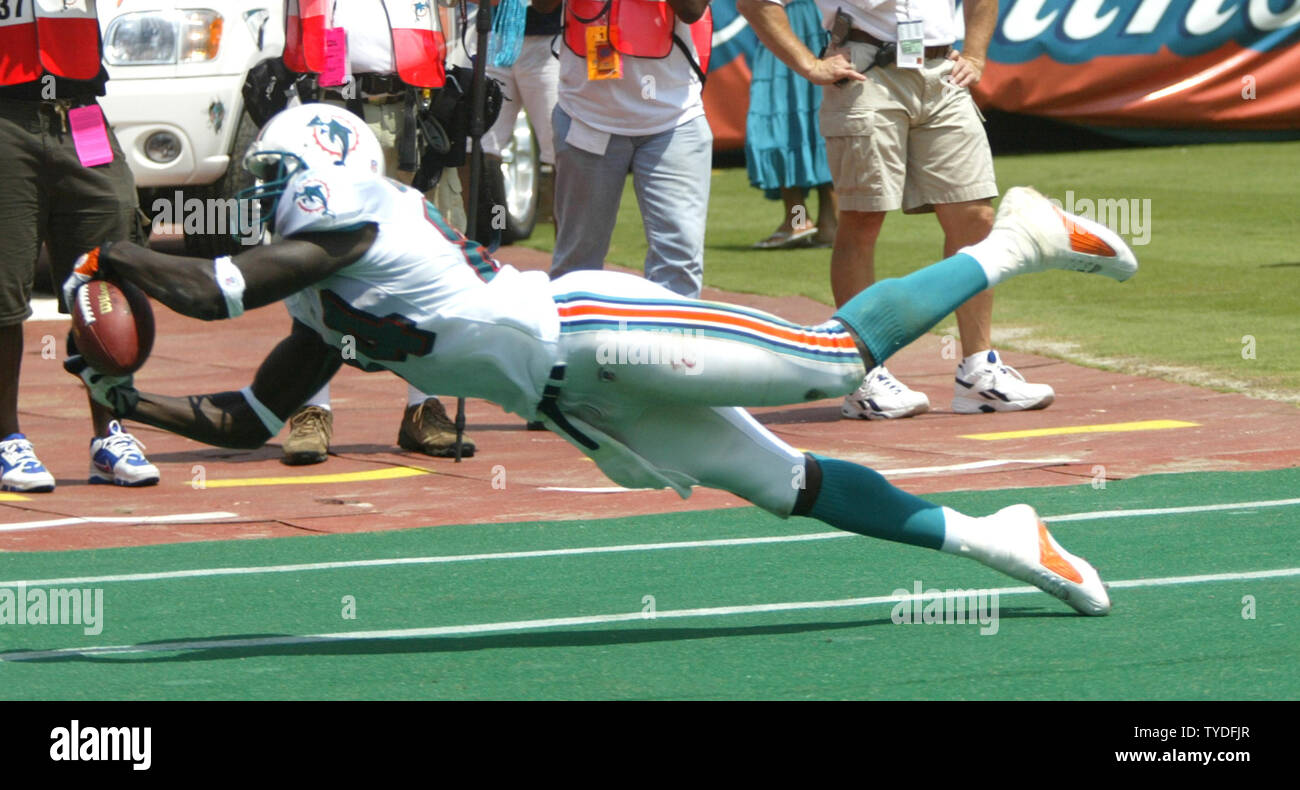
[(370, 42), (880, 18), (414, 303), (653, 96)]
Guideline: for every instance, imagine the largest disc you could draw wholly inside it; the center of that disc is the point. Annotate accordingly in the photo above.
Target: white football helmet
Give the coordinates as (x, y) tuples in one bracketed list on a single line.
[(308, 137)]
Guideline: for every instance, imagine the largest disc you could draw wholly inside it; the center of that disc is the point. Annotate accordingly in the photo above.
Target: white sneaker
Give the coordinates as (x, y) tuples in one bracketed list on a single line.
[(1020, 546), (117, 459), (985, 383), (20, 469), (1030, 234), (883, 397)]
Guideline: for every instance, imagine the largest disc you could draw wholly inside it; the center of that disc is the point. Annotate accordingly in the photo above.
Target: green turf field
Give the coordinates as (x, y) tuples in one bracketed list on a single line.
[(562, 610), (1221, 263)]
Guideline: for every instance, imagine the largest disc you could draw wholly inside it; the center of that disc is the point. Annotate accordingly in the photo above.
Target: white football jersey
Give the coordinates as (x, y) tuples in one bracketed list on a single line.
[(423, 301)]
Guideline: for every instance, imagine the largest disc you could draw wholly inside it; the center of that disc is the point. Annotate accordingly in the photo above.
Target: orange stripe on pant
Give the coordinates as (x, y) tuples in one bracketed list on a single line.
[(840, 340)]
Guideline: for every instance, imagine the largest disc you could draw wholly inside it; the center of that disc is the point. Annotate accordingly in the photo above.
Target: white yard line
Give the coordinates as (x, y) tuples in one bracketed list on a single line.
[(599, 619), (88, 520), (914, 470), (583, 550), (1170, 511)]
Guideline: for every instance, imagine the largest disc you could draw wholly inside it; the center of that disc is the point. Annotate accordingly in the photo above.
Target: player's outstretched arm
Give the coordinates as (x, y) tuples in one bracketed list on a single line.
[(300, 365), (224, 288)]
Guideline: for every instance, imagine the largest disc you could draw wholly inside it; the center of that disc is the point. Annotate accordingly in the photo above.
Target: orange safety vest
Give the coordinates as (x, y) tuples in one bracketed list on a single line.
[(637, 28), (419, 48), (62, 39)]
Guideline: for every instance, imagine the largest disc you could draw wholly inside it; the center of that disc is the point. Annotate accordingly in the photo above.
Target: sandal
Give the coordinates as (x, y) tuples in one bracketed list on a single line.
[(784, 240)]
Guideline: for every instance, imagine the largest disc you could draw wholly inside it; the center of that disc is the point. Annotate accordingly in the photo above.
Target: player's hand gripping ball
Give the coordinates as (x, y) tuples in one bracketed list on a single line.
[(112, 326)]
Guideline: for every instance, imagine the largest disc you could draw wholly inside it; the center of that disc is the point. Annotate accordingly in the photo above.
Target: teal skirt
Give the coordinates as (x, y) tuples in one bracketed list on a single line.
[(783, 141)]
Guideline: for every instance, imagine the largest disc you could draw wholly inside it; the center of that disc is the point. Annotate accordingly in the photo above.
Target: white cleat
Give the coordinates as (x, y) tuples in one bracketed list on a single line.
[(988, 384), (1020, 546), (883, 397), (1045, 237)]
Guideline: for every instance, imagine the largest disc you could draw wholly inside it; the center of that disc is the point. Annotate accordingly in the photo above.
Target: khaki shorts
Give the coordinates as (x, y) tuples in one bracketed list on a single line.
[(904, 138)]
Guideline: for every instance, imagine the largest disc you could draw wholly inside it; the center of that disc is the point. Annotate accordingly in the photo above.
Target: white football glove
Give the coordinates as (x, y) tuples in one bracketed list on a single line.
[(83, 271)]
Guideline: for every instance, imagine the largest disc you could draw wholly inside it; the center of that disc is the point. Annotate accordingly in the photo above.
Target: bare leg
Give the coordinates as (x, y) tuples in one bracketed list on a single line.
[(853, 258), (796, 210), (828, 214), (11, 360), (100, 416), (964, 224), (795, 219)]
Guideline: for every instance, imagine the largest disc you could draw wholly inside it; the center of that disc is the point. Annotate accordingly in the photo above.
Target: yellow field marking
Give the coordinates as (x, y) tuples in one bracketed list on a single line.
[(389, 473), (6, 496), (1114, 427)]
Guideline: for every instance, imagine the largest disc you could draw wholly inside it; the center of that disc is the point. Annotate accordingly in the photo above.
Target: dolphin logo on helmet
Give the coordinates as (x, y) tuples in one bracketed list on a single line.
[(313, 196), (338, 137), (302, 138)]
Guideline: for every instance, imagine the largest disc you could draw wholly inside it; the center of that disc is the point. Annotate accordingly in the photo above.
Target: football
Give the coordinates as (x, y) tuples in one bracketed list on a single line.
[(112, 325)]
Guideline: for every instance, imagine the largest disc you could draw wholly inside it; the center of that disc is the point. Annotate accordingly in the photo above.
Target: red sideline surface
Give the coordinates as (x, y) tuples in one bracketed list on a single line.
[(514, 472)]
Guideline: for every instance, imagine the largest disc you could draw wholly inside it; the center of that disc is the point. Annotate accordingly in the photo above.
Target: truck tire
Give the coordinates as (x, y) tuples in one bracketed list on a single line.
[(508, 202)]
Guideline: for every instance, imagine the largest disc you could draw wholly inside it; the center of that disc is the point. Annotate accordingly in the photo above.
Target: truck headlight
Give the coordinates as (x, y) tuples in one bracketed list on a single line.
[(162, 147), (157, 37)]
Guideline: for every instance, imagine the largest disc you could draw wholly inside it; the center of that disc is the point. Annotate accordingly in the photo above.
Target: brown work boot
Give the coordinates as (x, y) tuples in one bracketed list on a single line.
[(310, 431), (427, 429)]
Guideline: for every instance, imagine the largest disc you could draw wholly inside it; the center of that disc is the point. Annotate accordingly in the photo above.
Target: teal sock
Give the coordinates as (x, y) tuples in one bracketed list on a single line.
[(857, 499), (894, 312)]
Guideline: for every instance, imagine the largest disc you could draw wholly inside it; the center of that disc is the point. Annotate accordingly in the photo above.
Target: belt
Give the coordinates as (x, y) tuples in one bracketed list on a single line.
[(381, 84), (30, 111), (374, 88), (864, 37)]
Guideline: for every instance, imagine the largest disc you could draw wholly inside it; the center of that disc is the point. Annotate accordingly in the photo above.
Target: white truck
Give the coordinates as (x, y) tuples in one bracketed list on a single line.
[(175, 102), (176, 72)]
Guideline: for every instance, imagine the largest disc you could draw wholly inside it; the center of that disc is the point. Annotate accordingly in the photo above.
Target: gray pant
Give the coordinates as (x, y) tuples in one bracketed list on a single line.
[(670, 175)]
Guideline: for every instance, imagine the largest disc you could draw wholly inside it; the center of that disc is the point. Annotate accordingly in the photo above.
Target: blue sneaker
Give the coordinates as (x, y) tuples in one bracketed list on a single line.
[(20, 469), (117, 459)]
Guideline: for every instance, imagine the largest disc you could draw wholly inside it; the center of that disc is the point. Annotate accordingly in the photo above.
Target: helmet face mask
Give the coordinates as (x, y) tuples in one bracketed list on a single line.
[(268, 166), (307, 137), (272, 169)]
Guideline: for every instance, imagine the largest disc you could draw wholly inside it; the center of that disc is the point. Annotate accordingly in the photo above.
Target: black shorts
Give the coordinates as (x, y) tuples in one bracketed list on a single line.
[(46, 195)]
